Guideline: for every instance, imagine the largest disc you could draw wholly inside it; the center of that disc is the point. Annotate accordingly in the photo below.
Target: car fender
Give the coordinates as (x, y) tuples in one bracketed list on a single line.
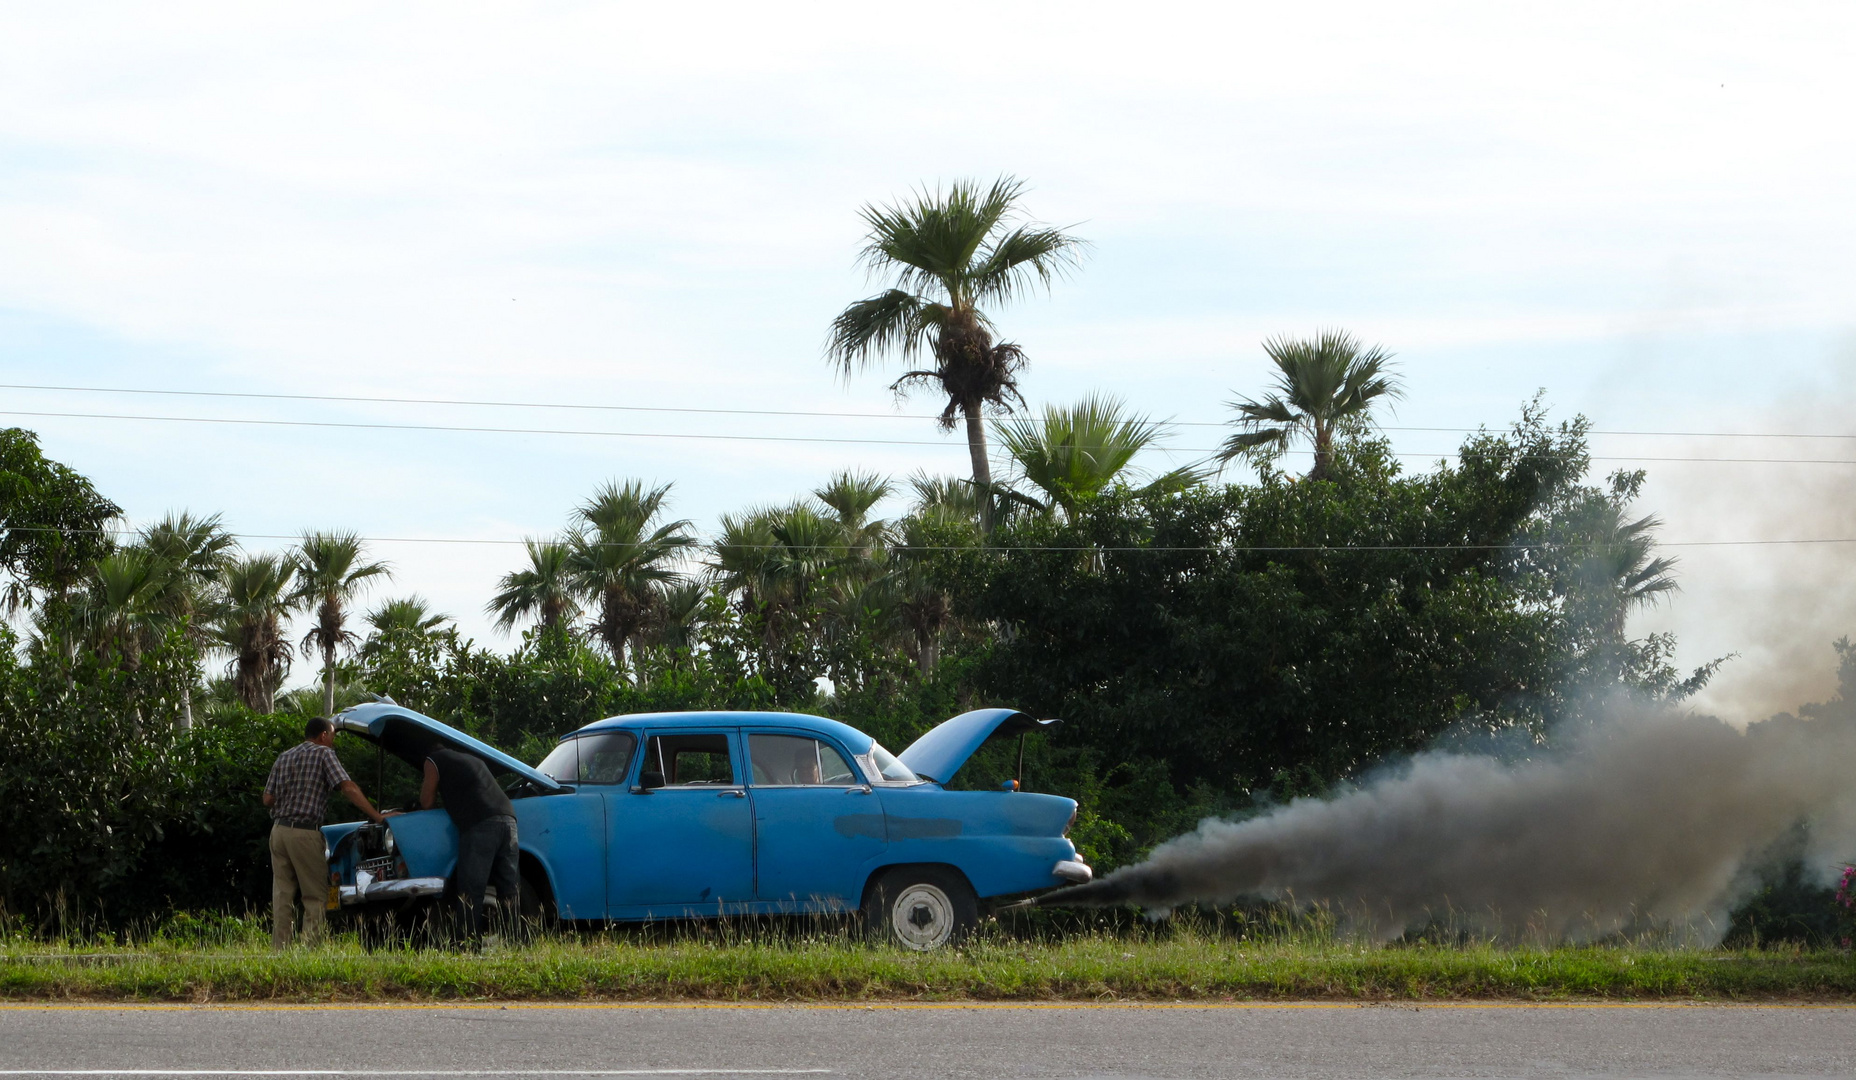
[(887, 867), (427, 841), (1004, 842)]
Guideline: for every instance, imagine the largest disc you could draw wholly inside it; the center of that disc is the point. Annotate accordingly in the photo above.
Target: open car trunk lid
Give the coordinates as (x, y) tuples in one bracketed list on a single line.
[(940, 753), (408, 735)]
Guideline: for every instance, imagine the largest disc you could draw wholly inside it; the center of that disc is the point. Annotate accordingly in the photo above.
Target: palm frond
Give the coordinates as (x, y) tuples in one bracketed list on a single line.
[(1026, 256), (197, 547), (851, 496), (892, 321), (622, 509), (930, 242), (409, 614), (542, 590), (1325, 386), (1184, 478), (1072, 453), (330, 566), (1266, 441)]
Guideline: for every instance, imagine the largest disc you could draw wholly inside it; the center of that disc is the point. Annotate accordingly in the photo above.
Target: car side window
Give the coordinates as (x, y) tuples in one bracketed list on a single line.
[(833, 769), (605, 758), (793, 760), (687, 761)]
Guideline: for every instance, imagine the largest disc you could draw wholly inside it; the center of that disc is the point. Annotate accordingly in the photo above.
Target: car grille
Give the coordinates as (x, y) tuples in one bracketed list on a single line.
[(380, 869)]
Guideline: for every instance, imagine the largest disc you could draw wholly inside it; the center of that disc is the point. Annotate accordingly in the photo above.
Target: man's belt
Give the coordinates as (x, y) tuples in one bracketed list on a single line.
[(299, 823)]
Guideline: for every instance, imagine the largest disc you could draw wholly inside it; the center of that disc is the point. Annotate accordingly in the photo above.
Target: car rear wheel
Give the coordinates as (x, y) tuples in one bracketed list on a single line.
[(921, 908), (536, 907)]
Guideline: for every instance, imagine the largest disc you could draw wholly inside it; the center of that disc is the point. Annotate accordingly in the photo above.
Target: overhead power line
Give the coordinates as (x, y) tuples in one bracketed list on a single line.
[(701, 437), (488, 403)]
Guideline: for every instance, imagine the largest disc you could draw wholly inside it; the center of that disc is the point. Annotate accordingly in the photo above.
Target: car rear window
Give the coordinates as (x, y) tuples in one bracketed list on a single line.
[(794, 760)]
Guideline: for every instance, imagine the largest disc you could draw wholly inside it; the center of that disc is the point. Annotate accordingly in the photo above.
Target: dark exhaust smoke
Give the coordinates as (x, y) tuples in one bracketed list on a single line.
[(1653, 821)]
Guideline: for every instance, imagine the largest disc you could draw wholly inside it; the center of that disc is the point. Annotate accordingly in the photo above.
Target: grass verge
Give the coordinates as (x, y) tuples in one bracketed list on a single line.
[(1082, 968)]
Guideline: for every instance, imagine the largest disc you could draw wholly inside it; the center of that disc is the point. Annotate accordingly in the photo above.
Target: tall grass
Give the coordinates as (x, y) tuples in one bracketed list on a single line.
[(1280, 955)]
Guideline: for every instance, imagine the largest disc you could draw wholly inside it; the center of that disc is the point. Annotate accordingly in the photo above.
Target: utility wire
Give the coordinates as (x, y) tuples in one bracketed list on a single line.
[(483, 430), (476, 403)]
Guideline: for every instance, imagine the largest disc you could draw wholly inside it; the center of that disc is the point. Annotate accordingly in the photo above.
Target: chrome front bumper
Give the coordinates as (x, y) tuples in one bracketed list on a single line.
[(1074, 871), (375, 892)]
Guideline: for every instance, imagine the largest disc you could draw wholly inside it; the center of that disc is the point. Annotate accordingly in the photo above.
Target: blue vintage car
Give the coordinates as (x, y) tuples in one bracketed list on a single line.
[(679, 815)]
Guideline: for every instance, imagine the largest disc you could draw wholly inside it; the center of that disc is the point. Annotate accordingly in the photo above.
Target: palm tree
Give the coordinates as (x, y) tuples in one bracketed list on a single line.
[(618, 559), (946, 499), (1617, 567), (194, 552), (196, 548), (775, 563), (1072, 453), (1323, 385), (248, 623), (121, 612), (741, 557), (122, 609), (331, 573), (408, 614), (948, 254), (950, 500), (851, 497), (543, 590), (682, 604)]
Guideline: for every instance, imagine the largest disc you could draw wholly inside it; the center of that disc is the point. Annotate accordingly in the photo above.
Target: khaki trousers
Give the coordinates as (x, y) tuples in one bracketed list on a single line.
[(298, 867)]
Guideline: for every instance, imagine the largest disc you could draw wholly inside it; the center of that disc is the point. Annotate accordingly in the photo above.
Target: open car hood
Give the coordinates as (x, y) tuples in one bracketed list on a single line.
[(939, 754), (408, 735)]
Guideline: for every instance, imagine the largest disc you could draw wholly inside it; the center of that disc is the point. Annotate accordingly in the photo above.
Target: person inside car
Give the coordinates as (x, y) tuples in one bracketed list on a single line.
[(805, 764)]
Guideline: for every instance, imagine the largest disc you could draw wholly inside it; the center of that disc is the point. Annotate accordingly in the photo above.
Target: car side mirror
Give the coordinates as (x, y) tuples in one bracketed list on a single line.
[(650, 779)]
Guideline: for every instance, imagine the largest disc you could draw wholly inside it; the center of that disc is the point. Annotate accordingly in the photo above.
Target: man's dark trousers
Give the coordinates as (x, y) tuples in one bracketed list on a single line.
[(487, 855)]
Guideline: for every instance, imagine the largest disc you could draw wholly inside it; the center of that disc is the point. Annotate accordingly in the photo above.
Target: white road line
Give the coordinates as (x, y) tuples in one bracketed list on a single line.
[(412, 1072)]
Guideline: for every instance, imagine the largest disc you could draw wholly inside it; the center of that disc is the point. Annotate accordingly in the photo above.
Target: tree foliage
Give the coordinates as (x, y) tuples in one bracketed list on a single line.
[(52, 522), (1209, 644), (1325, 387)]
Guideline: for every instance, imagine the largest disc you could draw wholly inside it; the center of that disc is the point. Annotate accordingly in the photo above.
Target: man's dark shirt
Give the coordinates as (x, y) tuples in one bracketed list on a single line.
[(469, 791)]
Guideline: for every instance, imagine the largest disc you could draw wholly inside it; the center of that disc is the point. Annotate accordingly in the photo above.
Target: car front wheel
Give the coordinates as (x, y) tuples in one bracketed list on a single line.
[(921, 908)]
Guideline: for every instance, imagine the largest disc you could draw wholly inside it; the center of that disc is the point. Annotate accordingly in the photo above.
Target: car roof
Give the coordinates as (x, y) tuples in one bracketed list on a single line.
[(855, 740)]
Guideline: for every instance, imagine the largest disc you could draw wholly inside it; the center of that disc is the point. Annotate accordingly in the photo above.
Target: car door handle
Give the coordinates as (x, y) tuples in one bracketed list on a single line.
[(737, 793), (863, 790)]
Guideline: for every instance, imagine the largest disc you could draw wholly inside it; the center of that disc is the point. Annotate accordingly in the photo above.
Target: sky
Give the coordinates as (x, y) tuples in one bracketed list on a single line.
[(1642, 211)]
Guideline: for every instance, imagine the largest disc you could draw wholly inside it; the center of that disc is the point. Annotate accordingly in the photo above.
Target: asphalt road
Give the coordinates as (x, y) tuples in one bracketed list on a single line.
[(915, 1041)]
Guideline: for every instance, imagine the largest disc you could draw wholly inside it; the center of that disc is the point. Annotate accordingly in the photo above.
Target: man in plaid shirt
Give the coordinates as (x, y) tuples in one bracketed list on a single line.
[(298, 794)]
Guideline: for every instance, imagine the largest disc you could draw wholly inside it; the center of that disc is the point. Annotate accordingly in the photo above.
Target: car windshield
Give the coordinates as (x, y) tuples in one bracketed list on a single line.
[(563, 763), (887, 765), (600, 758)]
